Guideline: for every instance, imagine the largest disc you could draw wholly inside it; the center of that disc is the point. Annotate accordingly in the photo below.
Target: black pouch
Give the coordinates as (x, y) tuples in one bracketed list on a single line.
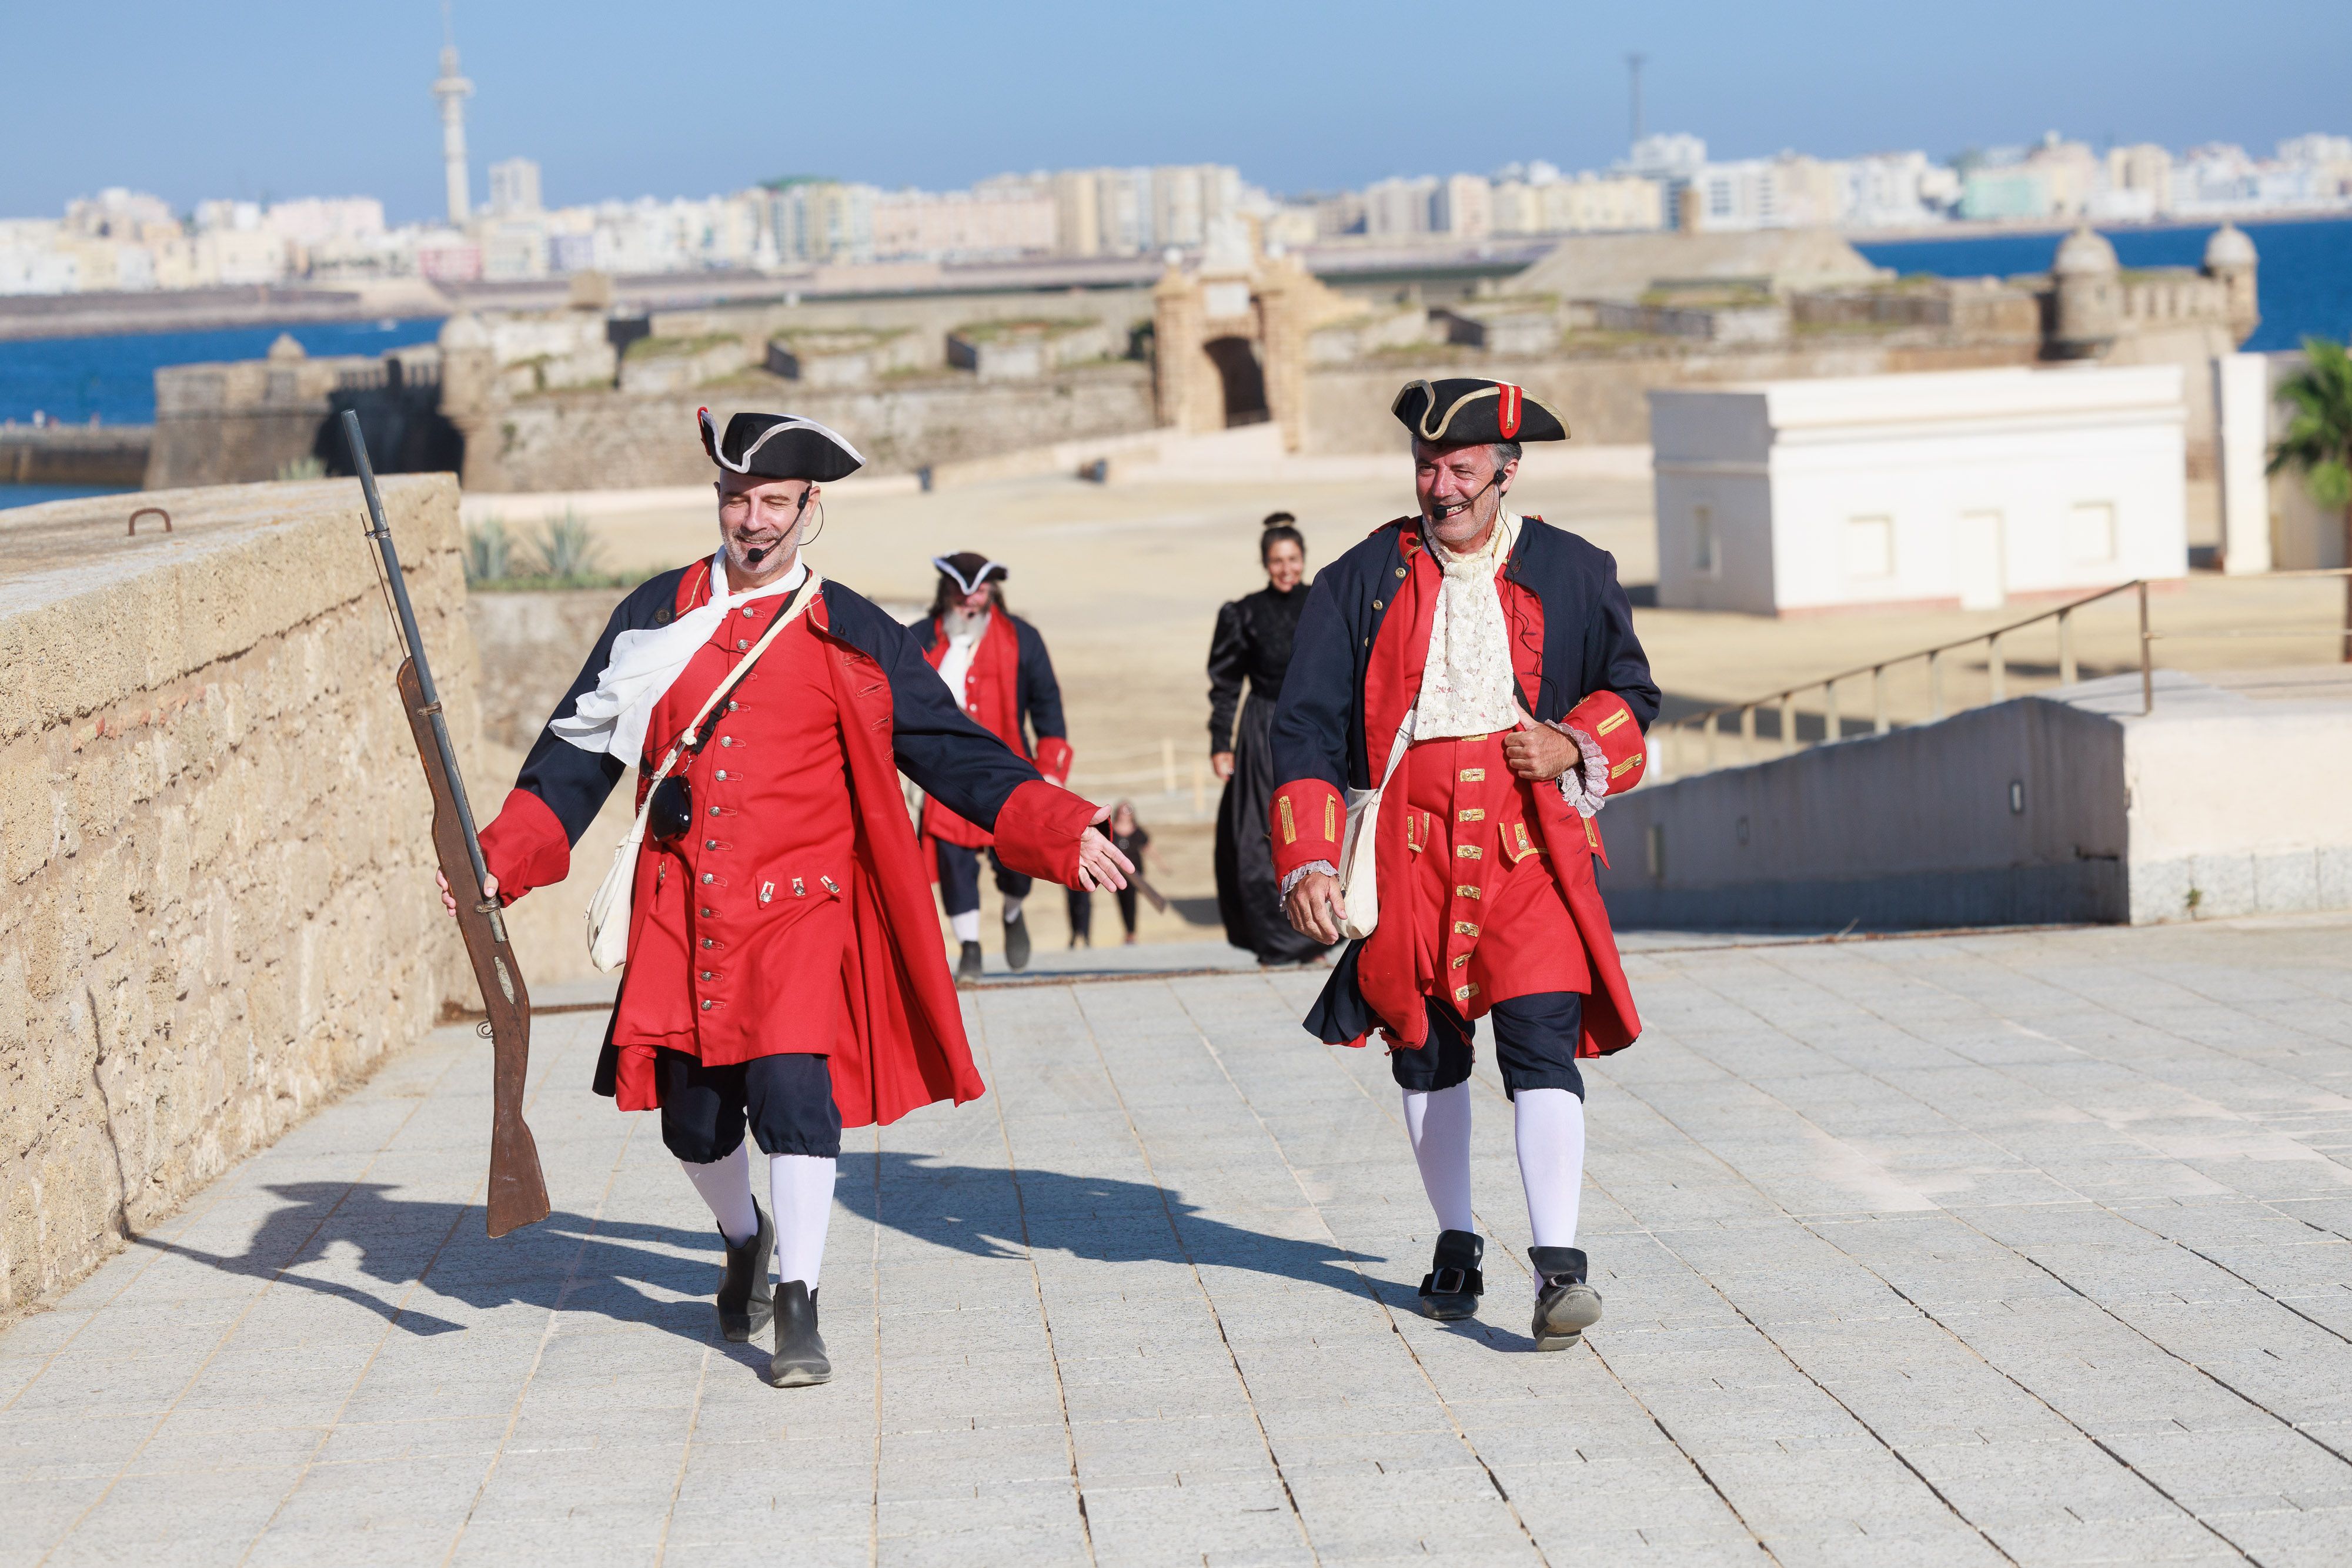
[(670, 813)]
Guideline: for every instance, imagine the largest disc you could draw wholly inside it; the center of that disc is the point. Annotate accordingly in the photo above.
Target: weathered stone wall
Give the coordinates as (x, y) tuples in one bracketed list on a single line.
[(579, 441), (217, 908)]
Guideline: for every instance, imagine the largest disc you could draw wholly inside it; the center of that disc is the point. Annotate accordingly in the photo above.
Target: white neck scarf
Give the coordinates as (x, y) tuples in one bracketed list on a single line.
[(1467, 685), (644, 664)]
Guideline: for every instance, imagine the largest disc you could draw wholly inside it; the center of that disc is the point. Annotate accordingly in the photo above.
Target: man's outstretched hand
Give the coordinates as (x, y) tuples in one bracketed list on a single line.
[(1313, 908), (1100, 865), (449, 899)]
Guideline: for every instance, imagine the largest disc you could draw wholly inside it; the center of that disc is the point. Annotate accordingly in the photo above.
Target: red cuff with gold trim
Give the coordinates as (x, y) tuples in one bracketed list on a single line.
[(1037, 832), (1604, 717), (1305, 818), (526, 847), (1054, 757)]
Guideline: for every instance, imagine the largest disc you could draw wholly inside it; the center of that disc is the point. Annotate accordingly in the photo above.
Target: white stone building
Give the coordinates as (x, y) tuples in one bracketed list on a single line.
[(1964, 487)]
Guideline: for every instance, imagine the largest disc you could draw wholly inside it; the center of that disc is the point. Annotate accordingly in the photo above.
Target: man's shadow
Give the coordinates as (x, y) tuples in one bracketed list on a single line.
[(663, 1276)]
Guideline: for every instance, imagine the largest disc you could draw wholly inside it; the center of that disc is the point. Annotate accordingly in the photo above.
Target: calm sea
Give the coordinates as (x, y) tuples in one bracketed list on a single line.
[(70, 378), (2304, 282)]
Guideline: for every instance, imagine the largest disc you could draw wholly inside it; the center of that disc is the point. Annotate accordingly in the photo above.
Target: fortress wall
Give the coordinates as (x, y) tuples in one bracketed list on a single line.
[(577, 441), (1605, 400), (217, 909)]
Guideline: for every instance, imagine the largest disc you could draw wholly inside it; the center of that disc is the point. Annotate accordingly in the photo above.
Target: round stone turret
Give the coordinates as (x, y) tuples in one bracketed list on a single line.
[(2229, 261), (2087, 281)]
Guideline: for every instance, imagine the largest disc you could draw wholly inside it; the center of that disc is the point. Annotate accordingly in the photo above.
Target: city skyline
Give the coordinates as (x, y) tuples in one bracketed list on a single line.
[(1299, 104)]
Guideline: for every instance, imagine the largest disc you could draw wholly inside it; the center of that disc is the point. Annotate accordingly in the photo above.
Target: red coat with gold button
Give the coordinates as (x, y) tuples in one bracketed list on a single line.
[(1355, 673), (1009, 690), (796, 916)]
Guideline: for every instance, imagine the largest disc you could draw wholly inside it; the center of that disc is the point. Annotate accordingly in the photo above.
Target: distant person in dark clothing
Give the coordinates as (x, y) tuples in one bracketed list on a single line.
[(1252, 644), (1129, 835)]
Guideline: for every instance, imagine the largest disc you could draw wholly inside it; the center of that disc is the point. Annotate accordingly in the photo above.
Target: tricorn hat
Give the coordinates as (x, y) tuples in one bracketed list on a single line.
[(779, 446), (1462, 411), (969, 569)]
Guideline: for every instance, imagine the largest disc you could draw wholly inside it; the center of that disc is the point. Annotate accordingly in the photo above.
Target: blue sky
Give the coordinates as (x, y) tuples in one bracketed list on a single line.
[(269, 98)]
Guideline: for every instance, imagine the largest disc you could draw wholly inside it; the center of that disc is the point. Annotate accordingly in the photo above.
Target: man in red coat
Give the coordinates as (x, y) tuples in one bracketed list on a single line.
[(1478, 670), (997, 671), (784, 971)]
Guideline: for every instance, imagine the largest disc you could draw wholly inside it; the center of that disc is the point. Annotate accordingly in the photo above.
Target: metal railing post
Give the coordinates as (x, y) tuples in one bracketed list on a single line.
[(1935, 683), (1788, 723), (1998, 667), (2147, 657), (2065, 647), (1878, 699)]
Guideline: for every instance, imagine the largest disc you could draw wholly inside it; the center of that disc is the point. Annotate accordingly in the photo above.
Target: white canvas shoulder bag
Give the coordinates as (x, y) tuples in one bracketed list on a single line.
[(1360, 881), (608, 911)]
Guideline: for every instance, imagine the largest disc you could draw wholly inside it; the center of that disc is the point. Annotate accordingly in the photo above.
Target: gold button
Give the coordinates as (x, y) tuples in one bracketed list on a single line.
[(1379, 604), (1461, 928), (1474, 775), (1460, 994), (1471, 814), (1457, 962), (1399, 572), (1469, 852), (1459, 892)]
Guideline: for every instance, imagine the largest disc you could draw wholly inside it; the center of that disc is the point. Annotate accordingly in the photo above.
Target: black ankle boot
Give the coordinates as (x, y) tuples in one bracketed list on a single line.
[(968, 966), (1565, 1305), (1016, 942), (800, 1358), (746, 1295), (1451, 1289)]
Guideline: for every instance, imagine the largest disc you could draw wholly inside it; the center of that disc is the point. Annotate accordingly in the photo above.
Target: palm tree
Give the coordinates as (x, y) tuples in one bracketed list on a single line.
[(2319, 440)]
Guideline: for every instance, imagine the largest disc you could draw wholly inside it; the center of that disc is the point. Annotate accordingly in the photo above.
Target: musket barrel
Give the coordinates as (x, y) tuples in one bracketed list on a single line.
[(382, 534)]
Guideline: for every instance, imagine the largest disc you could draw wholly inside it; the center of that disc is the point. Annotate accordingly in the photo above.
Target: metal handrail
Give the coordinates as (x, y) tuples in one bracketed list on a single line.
[(1708, 722)]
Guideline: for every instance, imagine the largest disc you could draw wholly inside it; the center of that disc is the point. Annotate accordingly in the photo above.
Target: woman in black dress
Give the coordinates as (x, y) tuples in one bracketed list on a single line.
[(1253, 642)]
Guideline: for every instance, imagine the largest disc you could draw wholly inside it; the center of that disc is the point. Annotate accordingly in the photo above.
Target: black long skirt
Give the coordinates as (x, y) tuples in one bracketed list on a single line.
[(1249, 896)]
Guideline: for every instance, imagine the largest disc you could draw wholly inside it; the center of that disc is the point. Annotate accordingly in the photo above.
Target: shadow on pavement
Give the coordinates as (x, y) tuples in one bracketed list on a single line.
[(632, 1272)]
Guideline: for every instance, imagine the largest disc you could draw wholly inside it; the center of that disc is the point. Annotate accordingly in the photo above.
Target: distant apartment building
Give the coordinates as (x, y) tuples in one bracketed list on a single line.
[(1395, 209), (1462, 206), (2136, 184), (822, 221), (1541, 203), (514, 187), (996, 220), (1893, 189)]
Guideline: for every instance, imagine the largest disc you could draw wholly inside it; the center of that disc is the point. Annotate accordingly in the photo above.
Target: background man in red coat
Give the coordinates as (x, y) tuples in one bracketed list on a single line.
[(784, 973), (1482, 666), (997, 671)]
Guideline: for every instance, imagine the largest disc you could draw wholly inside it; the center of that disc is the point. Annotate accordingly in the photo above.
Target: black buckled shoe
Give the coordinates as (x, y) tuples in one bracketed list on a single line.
[(746, 1295), (800, 1359), (1565, 1305), (968, 966), (1450, 1291), (1016, 942)]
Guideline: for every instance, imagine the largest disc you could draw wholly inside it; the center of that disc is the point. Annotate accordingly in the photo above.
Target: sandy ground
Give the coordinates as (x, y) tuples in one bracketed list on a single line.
[(1124, 579)]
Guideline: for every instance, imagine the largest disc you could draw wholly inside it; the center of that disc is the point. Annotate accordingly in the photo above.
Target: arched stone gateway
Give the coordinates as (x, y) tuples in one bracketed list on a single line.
[(1230, 337), (1242, 379)]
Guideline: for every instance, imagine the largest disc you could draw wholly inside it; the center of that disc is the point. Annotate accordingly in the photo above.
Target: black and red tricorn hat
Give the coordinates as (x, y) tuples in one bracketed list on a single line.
[(779, 446), (1462, 411), (969, 568)]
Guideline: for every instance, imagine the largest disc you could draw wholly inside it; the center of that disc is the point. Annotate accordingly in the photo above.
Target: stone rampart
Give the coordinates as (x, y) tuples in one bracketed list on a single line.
[(217, 911), (573, 441)]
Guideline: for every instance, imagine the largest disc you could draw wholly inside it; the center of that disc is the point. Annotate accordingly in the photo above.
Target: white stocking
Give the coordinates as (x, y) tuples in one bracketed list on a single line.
[(1439, 1125), (1012, 908), (800, 1187), (1550, 1126), (966, 926), (725, 1186)]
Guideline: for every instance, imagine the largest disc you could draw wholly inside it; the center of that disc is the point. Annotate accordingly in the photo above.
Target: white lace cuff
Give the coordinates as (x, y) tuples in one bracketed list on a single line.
[(1585, 785), (1295, 878)]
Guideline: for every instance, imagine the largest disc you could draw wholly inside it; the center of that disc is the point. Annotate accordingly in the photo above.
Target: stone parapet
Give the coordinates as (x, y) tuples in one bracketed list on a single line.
[(214, 833)]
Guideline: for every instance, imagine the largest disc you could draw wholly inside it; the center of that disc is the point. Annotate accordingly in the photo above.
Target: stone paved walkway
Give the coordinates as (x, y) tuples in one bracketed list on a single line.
[(2024, 1248)]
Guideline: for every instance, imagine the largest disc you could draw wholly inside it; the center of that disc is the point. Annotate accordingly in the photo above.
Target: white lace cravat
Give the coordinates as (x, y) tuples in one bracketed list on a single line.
[(1467, 685)]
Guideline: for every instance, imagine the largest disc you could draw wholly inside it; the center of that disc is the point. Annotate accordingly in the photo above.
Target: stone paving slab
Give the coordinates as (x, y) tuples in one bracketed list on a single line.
[(2025, 1247)]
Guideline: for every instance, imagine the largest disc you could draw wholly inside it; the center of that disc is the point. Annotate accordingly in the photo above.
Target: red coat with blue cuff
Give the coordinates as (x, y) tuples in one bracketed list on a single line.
[(1355, 675), (795, 916), (1009, 691)]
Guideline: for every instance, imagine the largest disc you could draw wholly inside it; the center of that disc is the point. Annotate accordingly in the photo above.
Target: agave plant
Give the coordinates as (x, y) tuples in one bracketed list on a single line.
[(488, 551), (566, 548), (302, 468)]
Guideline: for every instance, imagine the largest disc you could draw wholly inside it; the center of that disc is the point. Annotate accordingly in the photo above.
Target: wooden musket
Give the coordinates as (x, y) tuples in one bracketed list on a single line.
[(518, 1194)]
